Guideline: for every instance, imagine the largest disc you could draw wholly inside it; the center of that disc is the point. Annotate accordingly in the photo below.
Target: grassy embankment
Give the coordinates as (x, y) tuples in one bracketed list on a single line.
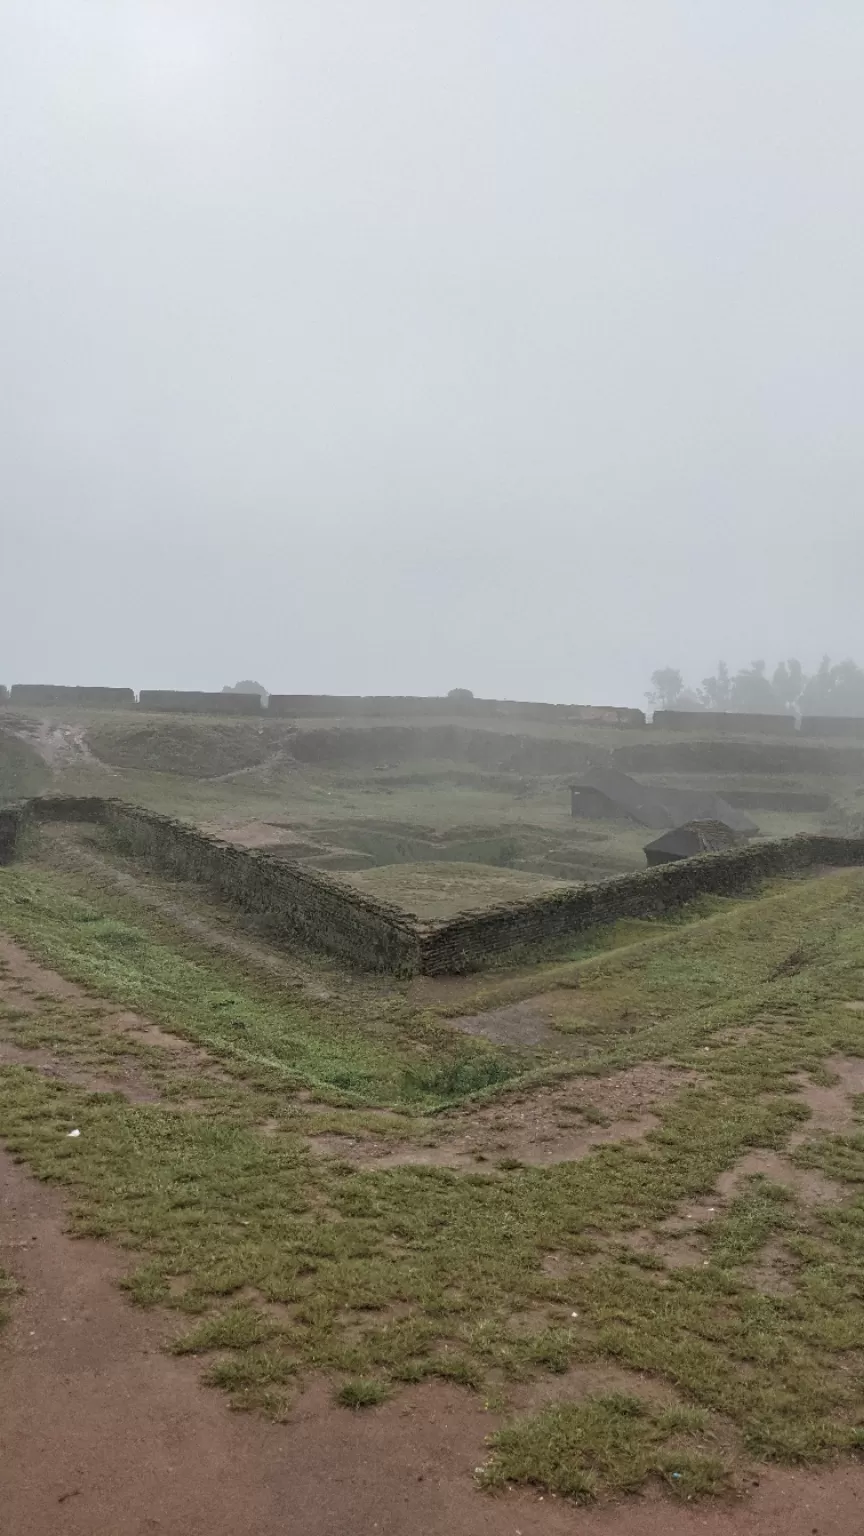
[(374, 798), (285, 1262)]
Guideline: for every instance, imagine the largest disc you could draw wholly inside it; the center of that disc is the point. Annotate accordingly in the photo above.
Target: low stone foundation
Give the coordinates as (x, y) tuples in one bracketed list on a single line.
[(303, 904)]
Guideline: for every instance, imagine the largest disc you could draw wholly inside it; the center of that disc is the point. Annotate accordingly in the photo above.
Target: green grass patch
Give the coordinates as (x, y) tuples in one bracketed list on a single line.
[(22, 770), (375, 1052), (558, 964), (606, 1445), (238, 1328), (440, 889)]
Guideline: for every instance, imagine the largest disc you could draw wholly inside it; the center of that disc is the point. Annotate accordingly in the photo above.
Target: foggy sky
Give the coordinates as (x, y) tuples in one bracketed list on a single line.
[(397, 346)]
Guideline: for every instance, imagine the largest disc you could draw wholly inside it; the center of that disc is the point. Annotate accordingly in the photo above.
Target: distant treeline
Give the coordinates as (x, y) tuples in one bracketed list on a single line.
[(836, 688)]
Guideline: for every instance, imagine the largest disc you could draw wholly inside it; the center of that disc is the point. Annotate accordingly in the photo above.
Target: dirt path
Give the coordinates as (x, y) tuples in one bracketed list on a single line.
[(25, 987), (60, 746), (101, 1434)]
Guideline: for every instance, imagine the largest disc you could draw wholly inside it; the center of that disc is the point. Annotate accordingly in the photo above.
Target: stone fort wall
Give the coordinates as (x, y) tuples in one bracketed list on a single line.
[(304, 905), (310, 706)]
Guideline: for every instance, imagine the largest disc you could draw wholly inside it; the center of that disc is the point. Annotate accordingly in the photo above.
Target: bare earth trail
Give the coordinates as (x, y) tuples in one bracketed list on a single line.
[(60, 746), (101, 1434)]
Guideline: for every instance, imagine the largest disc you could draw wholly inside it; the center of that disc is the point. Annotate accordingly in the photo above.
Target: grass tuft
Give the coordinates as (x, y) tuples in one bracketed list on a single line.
[(239, 1328), (363, 1392)]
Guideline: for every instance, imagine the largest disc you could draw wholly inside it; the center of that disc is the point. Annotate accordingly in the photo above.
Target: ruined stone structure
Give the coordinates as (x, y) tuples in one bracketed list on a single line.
[(300, 904), (308, 706), (196, 703), (86, 698)]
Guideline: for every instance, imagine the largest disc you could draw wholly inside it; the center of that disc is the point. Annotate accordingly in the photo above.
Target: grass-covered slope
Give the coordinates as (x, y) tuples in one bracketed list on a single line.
[(22, 771), (720, 1254), (376, 794)]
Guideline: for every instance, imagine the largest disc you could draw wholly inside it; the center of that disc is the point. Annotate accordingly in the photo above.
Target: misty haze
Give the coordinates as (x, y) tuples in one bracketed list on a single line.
[(374, 348), (431, 768)]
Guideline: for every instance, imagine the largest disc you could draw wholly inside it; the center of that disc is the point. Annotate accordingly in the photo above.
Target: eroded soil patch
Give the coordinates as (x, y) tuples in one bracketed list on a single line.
[(24, 977), (581, 1381), (518, 1024), (60, 746), (127, 1080), (774, 1270), (538, 1128), (810, 1186), (831, 1106), (681, 1240)]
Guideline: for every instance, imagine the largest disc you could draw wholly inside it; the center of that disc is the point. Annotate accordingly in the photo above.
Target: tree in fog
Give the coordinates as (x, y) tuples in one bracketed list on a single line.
[(836, 689), (247, 685), (716, 691), (749, 692), (667, 686), (788, 683), (752, 693)]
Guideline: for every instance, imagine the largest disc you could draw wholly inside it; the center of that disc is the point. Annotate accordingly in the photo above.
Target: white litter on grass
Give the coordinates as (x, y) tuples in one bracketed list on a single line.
[(73, 1133)]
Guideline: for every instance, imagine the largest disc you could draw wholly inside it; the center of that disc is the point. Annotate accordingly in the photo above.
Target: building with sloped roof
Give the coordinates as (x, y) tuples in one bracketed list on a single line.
[(689, 841), (606, 794)]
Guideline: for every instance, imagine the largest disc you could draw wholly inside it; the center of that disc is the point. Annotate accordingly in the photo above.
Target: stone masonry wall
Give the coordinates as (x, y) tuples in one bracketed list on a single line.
[(88, 698), (199, 703), (468, 942), (306, 706), (833, 725), (296, 902), (724, 723), (376, 936)]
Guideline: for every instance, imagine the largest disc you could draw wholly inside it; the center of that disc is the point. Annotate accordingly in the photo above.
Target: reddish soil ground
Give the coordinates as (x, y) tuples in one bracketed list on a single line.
[(102, 1434), (545, 1126)]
